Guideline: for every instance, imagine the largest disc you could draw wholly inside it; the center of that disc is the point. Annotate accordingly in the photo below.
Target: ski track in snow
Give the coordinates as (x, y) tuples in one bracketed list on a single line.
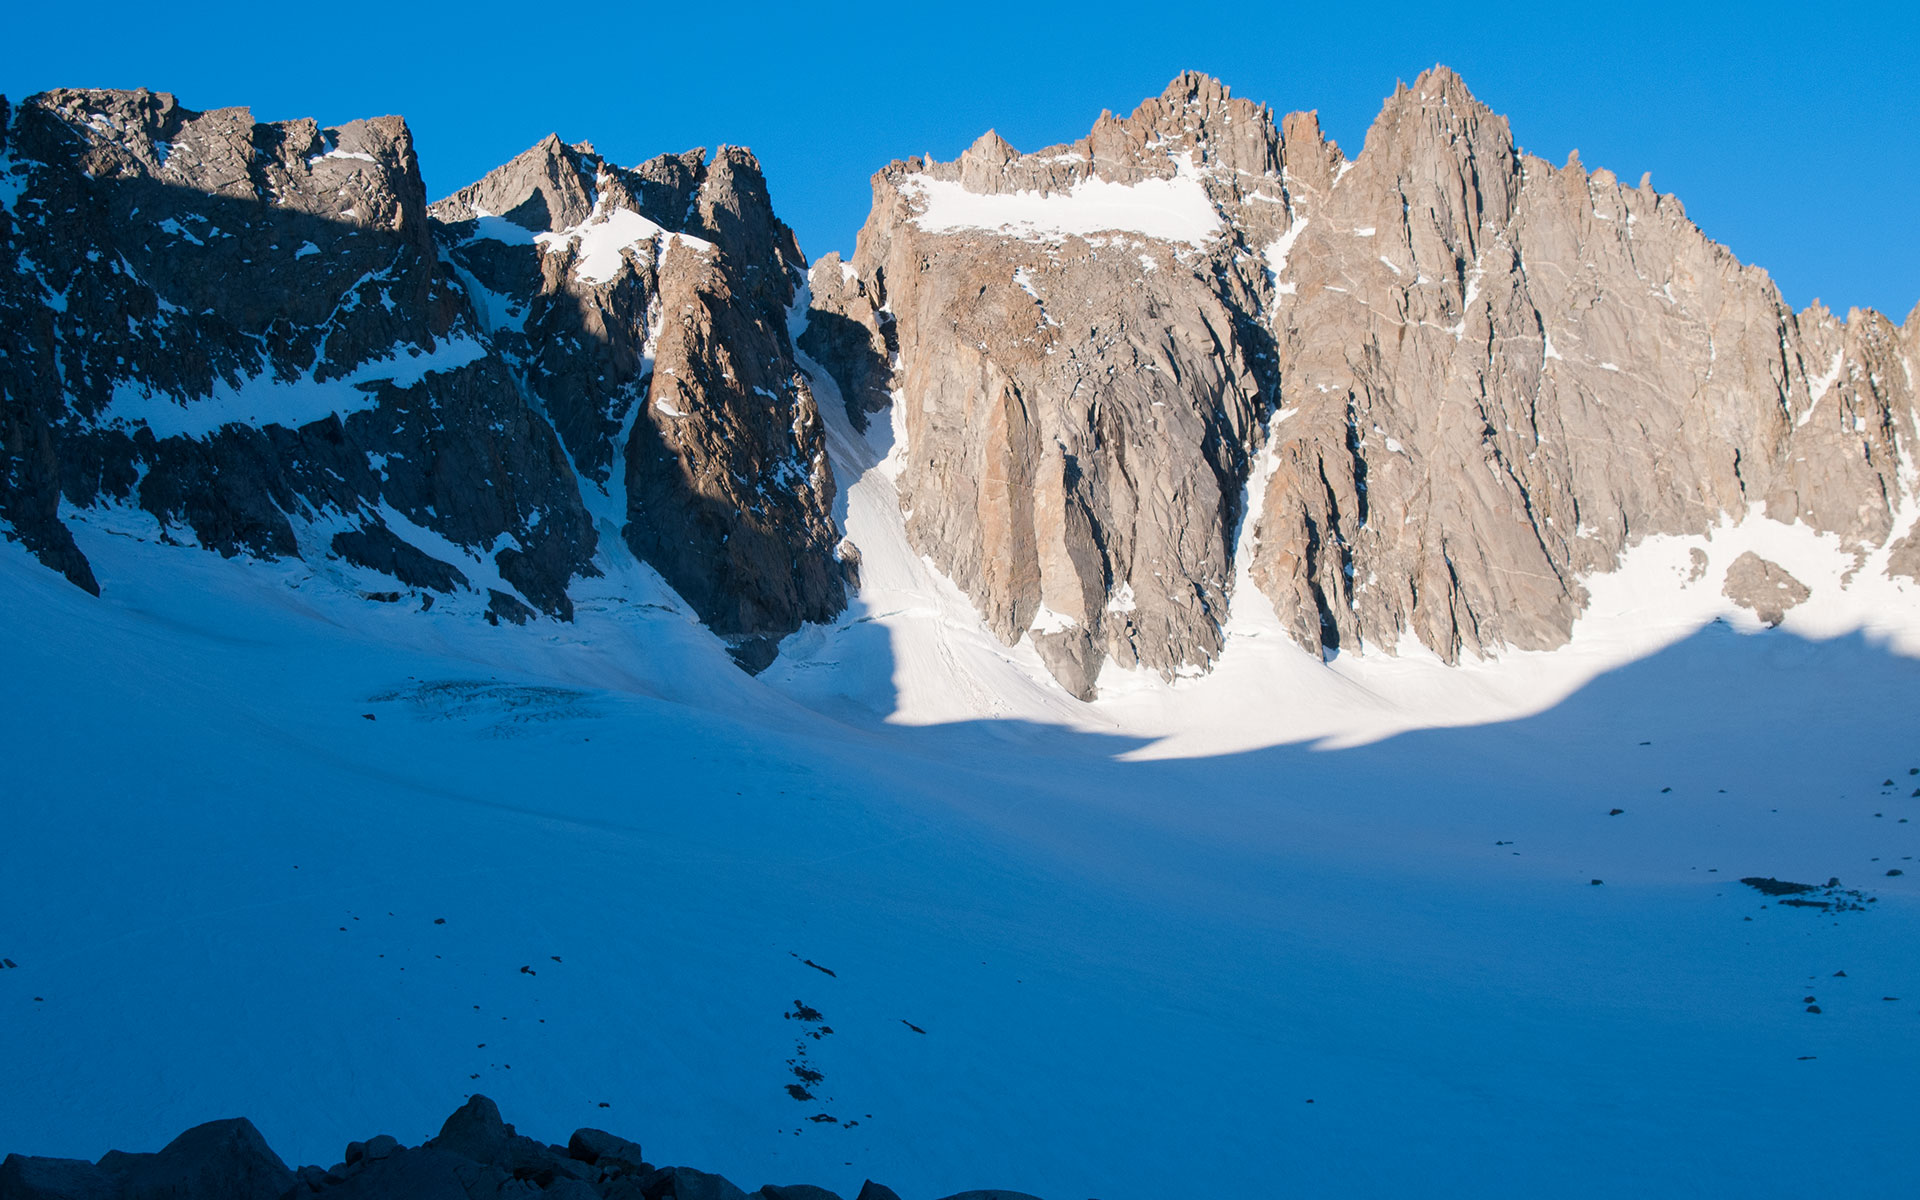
[(1140, 935)]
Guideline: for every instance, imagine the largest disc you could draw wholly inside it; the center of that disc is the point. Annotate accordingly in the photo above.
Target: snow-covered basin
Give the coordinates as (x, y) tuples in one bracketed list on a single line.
[(222, 885)]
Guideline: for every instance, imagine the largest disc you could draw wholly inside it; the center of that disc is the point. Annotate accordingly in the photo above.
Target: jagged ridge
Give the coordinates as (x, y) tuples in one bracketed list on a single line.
[(1474, 379), (476, 1155), (261, 339)]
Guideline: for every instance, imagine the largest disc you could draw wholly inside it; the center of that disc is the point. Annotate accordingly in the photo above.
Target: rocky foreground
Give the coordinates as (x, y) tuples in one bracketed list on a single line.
[(476, 1155)]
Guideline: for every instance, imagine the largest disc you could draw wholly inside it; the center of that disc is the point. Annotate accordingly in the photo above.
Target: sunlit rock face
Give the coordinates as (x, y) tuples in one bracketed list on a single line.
[(1451, 378)]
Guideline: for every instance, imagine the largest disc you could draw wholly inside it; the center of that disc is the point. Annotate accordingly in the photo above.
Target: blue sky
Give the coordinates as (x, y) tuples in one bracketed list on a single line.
[(1788, 131)]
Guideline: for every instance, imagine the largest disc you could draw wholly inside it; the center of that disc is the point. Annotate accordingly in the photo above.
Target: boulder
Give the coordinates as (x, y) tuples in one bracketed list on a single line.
[(228, 1159), (1764, 588), (24, 1178)]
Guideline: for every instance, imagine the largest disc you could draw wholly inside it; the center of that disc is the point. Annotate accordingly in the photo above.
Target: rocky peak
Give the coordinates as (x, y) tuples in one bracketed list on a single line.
[(240, 334), (1445, 161), (544, 189), (261, 339), (1487, 376), (1196, 115), (645, 310), (1082, 376)]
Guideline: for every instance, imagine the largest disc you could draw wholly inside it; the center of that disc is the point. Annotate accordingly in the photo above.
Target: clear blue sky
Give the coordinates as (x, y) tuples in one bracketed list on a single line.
[(1792, 133)]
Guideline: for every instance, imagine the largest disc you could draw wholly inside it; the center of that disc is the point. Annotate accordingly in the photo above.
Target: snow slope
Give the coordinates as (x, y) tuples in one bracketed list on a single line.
[(1135, 961)]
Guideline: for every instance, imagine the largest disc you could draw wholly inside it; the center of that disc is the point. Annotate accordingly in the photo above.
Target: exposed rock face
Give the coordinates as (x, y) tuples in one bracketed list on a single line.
[(243, 330), (848, 328), (1080, 403), (259, 336), (645, 311), (1763, 587), (1484, 377), (1507, 372), (476, 1157)]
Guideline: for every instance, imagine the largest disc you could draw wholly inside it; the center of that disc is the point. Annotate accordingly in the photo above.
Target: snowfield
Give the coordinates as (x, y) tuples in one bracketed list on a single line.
[(1172, 210), (1364, 928)]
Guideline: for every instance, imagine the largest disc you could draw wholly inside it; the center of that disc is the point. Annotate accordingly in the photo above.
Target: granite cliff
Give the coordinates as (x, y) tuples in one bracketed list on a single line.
[(1451, 379)]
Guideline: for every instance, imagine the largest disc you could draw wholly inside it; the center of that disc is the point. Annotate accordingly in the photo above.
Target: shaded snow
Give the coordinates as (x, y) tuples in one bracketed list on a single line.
[(1140, 935), (265, 400)]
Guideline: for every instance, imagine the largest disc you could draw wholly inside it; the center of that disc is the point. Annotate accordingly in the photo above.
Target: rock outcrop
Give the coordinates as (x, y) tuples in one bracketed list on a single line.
[(262, 338), (1764, 588), (1505, 373), (646, 312), (1083, 374), (243, 331), (477, 1156), (1470, 379)]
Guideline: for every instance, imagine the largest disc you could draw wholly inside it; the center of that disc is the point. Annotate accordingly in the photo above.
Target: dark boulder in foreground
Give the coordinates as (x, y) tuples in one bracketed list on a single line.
[(477, 1156)]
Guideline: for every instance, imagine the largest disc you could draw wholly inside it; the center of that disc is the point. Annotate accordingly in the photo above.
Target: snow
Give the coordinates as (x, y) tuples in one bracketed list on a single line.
[(604, 238), (346, 155), (1818, 387), (488, 227), (174, 227), (12, 183), (600, 244), (1172, 210), (1140, 934), (224, 877), (265, 400), (1046, 620), (1276, 255)]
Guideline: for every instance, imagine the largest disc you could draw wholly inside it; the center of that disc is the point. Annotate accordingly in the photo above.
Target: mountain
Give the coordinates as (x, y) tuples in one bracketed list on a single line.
[(1420, 397), (377, 576), (1451, 381), (259, 338)]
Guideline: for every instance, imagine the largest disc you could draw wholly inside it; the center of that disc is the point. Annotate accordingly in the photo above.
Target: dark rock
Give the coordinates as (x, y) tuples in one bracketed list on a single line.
[(990, 1194), (241, 311), (754, 654), (875, 1191), (797, 1191), (667, 370), (475, 1131), (685, 1183), (1767, 885), (314, 1177), (23, 1178), (120, 1163), (592, 1146), (381, 1146), (420, 1174), (228, 1159)]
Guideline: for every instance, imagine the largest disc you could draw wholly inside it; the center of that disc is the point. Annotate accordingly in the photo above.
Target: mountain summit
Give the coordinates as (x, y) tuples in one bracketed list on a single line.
[(1417, 397), (1450, 380)]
